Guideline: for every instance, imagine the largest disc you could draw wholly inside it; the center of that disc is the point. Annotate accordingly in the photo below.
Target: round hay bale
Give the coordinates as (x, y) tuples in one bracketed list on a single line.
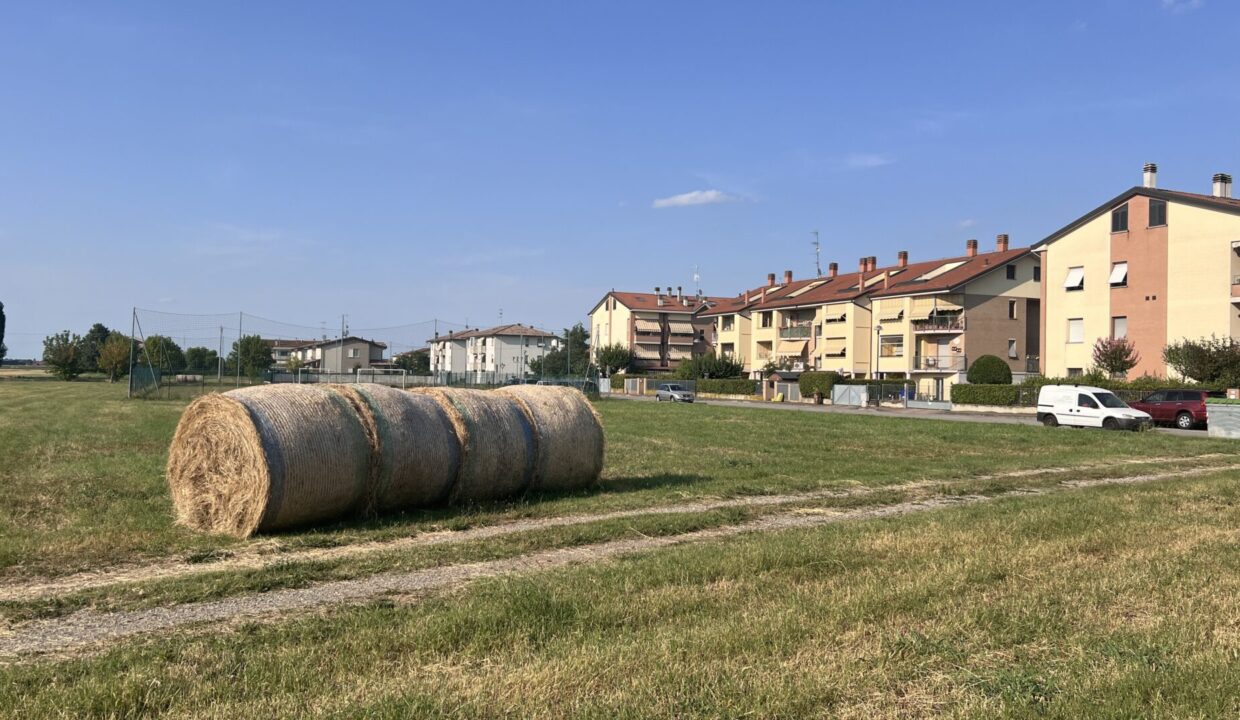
[(497, 443), (265, 458), (567, 433), (415, 452)]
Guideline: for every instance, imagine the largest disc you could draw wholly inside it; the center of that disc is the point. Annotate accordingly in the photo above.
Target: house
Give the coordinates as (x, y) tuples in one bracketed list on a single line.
[(282, 350), (1155, 266), (347, 354), (493, 354), (660, 329)]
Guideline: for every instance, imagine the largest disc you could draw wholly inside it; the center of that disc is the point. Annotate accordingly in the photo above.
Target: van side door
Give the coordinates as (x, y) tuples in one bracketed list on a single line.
[(1088, 413)]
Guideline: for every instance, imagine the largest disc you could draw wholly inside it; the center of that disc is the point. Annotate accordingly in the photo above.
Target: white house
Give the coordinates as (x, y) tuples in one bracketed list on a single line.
[(494, 354)]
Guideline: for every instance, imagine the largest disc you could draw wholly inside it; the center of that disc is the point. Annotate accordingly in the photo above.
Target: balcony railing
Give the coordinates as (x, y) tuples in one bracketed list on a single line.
[(795, 332), (1032, 364), (940, 324), (940, 363)]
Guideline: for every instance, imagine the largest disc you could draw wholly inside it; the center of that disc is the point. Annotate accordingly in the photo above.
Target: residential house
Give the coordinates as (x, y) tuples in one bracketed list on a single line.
[(1155, 266), (282, 350), (449, 352), (348, 354), (506, 351), (661, 329)]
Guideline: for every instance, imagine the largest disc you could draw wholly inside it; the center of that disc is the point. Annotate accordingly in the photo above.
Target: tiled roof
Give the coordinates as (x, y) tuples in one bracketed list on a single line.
[(336, 341), (649, 302), (1227, 205), (511, 329), (906, 283)]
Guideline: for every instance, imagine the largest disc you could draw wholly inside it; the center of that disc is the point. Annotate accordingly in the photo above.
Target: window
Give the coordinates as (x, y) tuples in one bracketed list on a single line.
[(729, 349), (1119, 274), (766, 319), (1012, 348), (1075, 372), (1011, 309), (1075, 279), (1160, 396), (1158, 212), (1119, 327), (1076, 330), (1119, 219), (353, 352), (891, 346), (1011, 272), (1037, 273), (818, 330), (728, 322), (1085, 401)]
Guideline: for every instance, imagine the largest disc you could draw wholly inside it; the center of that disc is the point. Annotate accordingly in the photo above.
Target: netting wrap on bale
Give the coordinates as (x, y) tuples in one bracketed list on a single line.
[(265, 458), (568, 435)]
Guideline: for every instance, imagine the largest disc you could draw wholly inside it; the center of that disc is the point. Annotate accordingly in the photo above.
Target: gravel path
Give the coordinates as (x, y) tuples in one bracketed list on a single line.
[(89, 629), (260, 555)]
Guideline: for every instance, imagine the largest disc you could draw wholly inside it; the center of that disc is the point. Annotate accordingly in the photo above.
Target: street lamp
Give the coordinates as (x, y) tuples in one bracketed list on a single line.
[(878, 334)]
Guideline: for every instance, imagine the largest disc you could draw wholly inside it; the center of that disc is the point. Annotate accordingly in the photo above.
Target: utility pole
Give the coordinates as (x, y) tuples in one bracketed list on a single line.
[(817, 253), (219, 360)]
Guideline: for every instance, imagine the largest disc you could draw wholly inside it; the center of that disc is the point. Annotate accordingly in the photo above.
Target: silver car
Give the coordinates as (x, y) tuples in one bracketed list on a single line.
[(674, 392)]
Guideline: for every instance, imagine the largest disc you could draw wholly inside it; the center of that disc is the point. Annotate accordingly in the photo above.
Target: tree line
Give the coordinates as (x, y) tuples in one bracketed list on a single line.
[(106, 351)]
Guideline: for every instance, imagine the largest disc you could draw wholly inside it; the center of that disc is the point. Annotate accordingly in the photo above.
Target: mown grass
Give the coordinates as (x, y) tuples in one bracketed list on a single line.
[(82, 469), (1112, 602)]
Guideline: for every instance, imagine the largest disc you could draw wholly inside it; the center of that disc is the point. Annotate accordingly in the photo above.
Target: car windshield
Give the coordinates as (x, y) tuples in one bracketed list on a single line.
[(1109, 400), (672, 387)]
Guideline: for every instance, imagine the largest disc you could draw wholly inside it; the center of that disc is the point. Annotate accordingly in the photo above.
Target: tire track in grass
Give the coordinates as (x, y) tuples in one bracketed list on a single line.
[(88, 629), (255, 559)]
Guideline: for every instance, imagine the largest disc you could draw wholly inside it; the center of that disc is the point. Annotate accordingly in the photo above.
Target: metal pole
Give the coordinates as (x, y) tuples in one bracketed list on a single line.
[(240, 328), (219, 360), (133, 346)]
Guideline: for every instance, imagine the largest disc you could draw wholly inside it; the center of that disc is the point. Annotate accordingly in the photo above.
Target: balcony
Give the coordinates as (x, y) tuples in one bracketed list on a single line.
[(1235, 289), (1032, 364), (795, 332), (940, 363), (945, 324)]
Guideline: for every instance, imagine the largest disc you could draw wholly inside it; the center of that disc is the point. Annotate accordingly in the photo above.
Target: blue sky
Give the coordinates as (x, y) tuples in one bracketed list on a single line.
[(399, 162)]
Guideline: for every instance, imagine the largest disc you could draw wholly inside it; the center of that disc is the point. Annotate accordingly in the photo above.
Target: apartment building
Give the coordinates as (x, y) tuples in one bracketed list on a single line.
[(1155, 266), (283, 350), (506, 351), (661, 329)]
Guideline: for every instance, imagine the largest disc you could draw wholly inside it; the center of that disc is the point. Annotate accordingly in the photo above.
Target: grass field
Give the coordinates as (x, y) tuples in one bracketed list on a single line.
[(1103, 602)]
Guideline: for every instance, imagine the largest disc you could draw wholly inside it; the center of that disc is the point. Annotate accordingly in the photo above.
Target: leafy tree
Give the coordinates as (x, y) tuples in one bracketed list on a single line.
[(990, 370), (1116, 356), (254, 355), (571, 358), (4, 350), (201, 360), (63, 353), (415, 362), (113, 357), (92, 343), (710, 366), (162, 353), (294, 363), (613, 358), (773, 366), (1208, 360)]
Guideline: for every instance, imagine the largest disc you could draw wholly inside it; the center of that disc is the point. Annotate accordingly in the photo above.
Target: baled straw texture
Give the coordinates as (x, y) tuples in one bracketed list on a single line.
[(567, 432), (266, 458), (497, 443), (415, 454)]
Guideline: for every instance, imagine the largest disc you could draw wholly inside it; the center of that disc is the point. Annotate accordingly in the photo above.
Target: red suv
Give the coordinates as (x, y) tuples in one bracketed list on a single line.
[(1186, 409)]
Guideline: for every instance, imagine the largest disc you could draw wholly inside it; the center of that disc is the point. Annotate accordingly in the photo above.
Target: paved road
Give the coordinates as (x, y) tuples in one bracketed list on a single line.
[(913, 413)]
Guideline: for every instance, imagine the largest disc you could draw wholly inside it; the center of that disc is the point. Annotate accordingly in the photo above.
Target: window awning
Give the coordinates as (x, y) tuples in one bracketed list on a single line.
[(792, 347), (835, 316), (647, 325), (680, 327), (922, 307), (834, 346), (891, 317), (645, 353), (1075, 279), (1119, 273)]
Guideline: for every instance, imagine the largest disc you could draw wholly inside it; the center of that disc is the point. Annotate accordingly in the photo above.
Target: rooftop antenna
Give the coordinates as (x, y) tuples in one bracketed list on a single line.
[(697, 280), (817, 253), (501, 316)]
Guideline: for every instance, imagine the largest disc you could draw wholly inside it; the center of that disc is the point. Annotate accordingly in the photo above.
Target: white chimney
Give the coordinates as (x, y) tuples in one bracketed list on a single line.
[(1222, 185), (1149, 178)]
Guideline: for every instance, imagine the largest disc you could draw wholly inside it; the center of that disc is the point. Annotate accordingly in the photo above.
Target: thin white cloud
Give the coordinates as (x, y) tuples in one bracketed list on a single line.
[(1181, 6), (966, 223), (868, 160), (696, 197)]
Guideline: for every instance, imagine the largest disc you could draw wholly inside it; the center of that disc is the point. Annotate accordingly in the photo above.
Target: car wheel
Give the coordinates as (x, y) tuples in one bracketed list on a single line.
[(1050, 421), (1109, 424), (1184, 421)]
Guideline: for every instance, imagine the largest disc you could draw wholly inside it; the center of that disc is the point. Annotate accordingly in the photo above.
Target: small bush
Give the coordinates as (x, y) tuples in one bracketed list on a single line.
[(990, 370), (986, 394), (818, 382), (728, 386), (617, 381)]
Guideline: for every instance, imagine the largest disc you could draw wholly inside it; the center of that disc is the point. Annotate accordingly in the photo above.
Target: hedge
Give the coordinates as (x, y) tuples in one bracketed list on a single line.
[(985, 394), (727, 386), (617, 381), (818, 382), (989, 370), (1145, 383)]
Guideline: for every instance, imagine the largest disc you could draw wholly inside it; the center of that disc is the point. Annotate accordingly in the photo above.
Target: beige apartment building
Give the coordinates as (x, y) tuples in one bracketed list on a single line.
[(1156, 266), (661, 329)]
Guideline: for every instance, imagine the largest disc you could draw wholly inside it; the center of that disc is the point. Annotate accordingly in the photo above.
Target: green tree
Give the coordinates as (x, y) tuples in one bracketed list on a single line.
[(613, 358), (113, 357), (710, 366), (415, 362), (4, 350), (571, 358), (63, 354), (201, 360), (162, 353), (990, 370), (254, 355), (1116, 356), (1208, 360), (294, 363), (92, 343)]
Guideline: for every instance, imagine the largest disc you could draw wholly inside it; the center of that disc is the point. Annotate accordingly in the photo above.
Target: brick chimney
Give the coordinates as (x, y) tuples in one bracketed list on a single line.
[(770, 279), (787, 277), (863, 264), (970, 248), (1001, 242), (680, 292), (1149, 177), (1222, 185), (902, 258), (833, 269)]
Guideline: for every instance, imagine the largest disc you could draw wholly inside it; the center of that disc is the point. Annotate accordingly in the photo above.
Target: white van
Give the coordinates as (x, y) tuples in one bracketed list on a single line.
[(1084, 406)]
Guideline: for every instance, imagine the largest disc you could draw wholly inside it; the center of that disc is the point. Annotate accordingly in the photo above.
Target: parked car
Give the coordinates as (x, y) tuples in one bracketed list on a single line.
[(1085, 406), (1186, 409), (674, 392)]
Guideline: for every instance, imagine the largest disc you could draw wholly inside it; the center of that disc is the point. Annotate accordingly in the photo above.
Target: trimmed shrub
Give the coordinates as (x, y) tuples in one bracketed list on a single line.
[(818, 382), (989, 370), (617, 381), (986, 394), (728, 386)]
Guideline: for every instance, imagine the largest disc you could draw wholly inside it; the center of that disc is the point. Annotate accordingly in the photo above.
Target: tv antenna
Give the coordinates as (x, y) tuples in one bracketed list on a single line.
[(817, 253), (697, 280)]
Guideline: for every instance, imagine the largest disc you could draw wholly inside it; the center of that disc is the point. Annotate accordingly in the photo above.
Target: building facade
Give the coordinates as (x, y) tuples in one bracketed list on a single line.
[(345, 355), (660, 329), (491, 355)]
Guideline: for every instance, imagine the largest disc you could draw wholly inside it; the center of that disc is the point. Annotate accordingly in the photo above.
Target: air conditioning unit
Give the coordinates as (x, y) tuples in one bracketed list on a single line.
[(932, 362)]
